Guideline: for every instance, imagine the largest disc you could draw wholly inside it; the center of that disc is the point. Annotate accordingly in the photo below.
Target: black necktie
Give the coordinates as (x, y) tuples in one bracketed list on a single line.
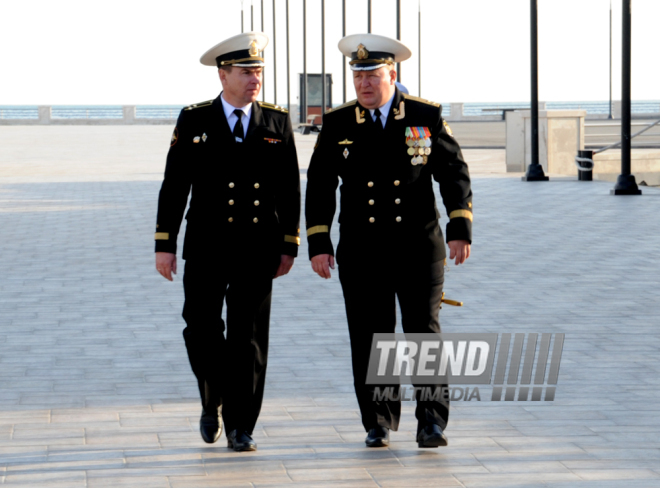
[(238, 128), (379, 122)]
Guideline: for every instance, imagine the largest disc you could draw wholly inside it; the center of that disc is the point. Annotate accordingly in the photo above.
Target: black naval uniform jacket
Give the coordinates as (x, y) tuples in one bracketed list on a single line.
[(388, 207), (245, 199)]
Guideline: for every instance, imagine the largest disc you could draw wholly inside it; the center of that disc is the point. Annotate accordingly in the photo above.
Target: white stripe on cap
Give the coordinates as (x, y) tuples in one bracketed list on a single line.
[(253, 65)]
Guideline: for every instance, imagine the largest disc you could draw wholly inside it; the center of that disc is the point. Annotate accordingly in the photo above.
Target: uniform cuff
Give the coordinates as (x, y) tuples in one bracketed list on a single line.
[(320, 243), (290, 249), (166, 246), (459, 229)]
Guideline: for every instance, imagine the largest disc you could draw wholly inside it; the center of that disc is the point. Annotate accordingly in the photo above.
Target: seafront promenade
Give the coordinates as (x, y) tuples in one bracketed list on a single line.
[(96, 389)]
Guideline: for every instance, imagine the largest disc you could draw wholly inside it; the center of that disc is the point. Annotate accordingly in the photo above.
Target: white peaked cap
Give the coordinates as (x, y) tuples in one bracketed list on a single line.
[(371, 51), (243, 50)]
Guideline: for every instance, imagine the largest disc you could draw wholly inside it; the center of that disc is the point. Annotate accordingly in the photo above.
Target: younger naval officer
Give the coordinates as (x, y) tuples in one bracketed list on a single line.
[(387, 147), (238, 158)]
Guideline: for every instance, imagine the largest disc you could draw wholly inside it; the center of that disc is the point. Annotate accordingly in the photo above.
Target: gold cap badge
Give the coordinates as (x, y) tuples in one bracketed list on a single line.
[(362, 52), (253, 48)]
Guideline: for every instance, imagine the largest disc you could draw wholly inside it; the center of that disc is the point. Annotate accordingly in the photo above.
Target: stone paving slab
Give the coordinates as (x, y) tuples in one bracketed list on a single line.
[(96, 391)]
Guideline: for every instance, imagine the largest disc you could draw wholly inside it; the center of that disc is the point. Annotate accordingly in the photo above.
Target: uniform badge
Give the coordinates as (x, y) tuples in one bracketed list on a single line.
[(447, 128), (362, 52), (175, 137), (359, 116), (401, 112), (253, 48), (204, 137), (196, 140), (418, 140), (345, 153), (272, 141), (345, 141)]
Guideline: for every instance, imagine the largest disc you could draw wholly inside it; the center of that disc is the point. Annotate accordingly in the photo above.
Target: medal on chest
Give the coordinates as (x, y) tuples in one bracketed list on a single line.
[(418, 140)]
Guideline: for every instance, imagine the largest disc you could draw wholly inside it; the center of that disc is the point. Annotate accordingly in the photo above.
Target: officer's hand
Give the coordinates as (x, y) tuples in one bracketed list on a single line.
[(322, 263), (166, 264), (286, 264), (459, 250)]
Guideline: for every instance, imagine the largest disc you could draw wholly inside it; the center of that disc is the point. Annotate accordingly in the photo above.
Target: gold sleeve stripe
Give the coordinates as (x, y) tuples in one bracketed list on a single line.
[(292, 239), (461, 213), (317, 229), (162, 236)]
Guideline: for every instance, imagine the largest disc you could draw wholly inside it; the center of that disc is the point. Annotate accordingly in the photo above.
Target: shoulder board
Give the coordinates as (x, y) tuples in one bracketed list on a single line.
[(198, 105), (347, 104), (272, 106), (422, 100)]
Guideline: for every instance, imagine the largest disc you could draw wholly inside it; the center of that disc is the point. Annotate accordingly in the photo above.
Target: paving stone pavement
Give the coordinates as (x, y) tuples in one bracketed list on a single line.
[(96, 390)]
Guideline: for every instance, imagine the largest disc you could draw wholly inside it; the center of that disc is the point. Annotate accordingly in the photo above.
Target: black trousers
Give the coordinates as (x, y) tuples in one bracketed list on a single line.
[(370, 290), (231, 370)]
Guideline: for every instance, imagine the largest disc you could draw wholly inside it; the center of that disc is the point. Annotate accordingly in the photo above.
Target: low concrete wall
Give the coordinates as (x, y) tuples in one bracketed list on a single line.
[(457, 115), (453, 113), (644, 164), (128, 118), (561, 135)]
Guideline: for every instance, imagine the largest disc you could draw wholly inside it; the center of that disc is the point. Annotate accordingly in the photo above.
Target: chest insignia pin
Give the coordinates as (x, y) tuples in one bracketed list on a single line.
[(345, 153), (204, 137), (196, 140)]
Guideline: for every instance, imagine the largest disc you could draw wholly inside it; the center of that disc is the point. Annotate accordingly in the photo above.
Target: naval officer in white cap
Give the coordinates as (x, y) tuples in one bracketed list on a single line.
[(237, 159), (387, 148)]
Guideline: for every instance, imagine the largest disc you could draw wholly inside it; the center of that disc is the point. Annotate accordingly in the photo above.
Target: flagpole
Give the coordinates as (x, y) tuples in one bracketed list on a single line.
[(288, 68), (274, 57), (263, 55)]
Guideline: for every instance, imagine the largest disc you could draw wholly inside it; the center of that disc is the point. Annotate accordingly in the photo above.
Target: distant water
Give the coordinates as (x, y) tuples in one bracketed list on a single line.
[(172, 111), (90, 111)]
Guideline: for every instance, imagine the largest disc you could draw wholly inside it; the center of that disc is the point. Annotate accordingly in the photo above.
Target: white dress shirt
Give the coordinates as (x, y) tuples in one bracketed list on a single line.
[(231, 116), (384, 110)]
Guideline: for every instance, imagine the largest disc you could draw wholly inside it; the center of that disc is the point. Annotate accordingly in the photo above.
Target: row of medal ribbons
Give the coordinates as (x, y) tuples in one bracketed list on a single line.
[(418, 140)]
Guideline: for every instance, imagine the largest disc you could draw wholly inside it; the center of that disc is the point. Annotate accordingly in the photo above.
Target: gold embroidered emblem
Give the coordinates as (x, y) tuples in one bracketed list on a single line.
[(362, 52), (253, 48), (401, 113), (359, 116), (447, 128), (345, 141)]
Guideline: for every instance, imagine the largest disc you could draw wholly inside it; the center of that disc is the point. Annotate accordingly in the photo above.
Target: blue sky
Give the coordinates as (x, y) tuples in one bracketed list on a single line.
[(147, 52)]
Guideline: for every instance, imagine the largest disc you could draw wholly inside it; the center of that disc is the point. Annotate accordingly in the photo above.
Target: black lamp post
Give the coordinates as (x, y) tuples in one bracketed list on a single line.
[(625, 182), (535, 170)]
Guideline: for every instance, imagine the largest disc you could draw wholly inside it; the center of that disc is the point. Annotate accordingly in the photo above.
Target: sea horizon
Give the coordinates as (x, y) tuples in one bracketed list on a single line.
[(171, 111)]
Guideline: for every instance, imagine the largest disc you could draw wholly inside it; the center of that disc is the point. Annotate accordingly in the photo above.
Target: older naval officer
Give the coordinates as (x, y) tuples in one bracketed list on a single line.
[(387, 147), (238, 158)]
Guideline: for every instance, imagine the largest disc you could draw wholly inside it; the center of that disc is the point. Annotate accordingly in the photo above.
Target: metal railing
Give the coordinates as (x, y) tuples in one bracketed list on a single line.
[(611, 139), (587, 164)]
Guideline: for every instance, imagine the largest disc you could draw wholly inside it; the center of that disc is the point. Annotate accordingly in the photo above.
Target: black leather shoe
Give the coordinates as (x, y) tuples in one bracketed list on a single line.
[(239, 440), (378, 437), (431, 436), (210, 426)]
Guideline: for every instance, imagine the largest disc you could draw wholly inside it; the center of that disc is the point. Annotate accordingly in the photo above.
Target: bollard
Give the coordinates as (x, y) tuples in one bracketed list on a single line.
[(588, 174)]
